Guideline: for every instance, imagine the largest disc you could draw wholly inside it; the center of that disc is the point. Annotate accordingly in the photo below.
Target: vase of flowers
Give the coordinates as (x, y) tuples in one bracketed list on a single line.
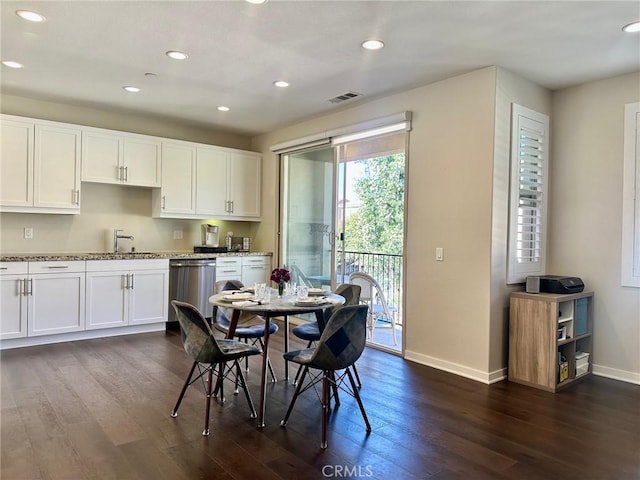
[(280, 276)]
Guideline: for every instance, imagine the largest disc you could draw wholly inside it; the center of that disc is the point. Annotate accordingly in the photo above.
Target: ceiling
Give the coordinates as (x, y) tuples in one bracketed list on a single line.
[(86, 51)]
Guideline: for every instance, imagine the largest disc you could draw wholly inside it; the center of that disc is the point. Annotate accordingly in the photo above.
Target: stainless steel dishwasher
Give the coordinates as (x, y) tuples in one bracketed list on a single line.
[(192, 281)]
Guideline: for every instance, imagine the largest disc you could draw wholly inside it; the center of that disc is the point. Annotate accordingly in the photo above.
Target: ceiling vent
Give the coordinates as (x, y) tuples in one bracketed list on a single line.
[(344, 97)]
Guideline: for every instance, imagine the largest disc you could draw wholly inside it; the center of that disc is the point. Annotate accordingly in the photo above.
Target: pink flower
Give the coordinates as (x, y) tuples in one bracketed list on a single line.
[(280, 275)]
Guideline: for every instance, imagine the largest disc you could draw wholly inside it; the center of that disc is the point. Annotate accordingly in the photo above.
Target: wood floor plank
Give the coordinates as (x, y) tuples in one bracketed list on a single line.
[(100, 409)]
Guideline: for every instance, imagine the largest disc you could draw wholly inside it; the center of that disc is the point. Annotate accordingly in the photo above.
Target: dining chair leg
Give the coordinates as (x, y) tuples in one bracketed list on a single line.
[(334, 389), (356, 394), (305, 370), (325, 406), (355, 373), (220, 381), (295, 380), (205, 432), (243, 382), (174, 412), (271, 371)]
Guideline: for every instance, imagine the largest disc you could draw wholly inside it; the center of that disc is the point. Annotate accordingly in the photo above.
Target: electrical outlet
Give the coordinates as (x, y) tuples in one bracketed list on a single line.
[(28, 233), (177, 234)]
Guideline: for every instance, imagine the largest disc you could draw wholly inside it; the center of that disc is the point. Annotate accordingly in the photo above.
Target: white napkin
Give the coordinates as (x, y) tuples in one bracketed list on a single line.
[(244, 303)]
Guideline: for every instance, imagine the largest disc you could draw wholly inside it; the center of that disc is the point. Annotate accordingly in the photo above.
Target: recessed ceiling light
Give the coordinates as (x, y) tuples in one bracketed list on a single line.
[(131, 88), (281, 84), (176, 55), (31, 16), (12, 64), (372, 44), (256, 2), (150, 75), (222, 108), (632, 27)]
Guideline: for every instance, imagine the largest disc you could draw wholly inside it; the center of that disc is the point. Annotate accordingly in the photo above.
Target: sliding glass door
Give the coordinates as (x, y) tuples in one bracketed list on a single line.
[(307, 215), (342, 211), (369, 223)]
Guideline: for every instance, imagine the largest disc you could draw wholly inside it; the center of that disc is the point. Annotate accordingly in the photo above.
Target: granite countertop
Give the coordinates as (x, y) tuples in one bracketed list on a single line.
[(48, 257)]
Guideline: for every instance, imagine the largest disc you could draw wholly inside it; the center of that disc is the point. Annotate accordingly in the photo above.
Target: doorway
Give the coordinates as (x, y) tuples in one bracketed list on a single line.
[(342, 212)]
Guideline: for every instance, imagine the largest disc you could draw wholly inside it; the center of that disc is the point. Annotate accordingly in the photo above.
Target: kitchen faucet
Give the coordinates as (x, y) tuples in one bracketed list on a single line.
[(117, 234)]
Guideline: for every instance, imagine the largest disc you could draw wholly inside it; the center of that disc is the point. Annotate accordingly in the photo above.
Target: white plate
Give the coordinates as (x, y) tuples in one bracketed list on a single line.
[(309, 302), (238, 296)]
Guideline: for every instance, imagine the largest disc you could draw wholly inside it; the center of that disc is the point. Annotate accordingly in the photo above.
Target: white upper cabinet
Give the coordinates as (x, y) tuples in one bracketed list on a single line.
[(40, 166), (228, 183), (120, 158), (204, 181), (244, 184), (177, 195), (211, 181)]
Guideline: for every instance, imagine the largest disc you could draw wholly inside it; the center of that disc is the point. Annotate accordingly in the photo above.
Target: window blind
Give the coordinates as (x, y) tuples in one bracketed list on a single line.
[(529, 189), (377, 126)]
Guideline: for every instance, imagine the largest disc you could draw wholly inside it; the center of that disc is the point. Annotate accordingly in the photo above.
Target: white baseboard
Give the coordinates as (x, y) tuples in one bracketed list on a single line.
[(498, 375), (456, 368), (616, 374), (84, 335)]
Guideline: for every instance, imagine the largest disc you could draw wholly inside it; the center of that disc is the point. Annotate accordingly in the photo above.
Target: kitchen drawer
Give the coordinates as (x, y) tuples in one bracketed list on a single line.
[(253, 261), (57, 266), (228, 262), (14, 268)]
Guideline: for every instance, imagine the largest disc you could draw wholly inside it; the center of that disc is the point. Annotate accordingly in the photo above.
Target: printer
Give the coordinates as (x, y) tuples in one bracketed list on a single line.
[(554, 284)]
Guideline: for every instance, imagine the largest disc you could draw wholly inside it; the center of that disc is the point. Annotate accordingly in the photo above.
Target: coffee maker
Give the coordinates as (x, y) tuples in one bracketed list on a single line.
[(210, 235)]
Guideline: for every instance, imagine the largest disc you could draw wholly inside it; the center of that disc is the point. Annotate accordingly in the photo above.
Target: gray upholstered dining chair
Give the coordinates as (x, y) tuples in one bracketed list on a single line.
[(311, 331), (340, 345), (211, 357)]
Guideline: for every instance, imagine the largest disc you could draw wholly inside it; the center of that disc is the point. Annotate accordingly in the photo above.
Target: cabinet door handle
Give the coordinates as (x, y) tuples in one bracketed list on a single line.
[(76, 197), (164, 202), (131, 284), (4, 268), (30, 284), (58, 266), (231, 208), (126, 174), (120, 173)]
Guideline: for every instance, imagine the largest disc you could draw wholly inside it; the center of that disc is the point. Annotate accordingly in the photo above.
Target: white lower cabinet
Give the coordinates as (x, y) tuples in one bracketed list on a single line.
[(228, 268), (13, 301), (45, 298), (255, 269), (126, 292)]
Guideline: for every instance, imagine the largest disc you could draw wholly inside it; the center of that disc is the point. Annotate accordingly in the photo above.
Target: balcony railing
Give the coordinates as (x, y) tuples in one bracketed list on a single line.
[(385, 268)]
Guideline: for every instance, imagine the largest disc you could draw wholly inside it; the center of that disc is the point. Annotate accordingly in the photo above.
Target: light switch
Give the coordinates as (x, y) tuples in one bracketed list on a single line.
[(440, 254)]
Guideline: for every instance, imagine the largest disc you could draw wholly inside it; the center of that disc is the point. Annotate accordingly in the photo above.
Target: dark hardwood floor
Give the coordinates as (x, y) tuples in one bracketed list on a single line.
[(99, 409)]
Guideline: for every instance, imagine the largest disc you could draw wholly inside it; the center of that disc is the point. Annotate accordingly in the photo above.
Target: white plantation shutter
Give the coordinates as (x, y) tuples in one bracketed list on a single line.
[(529, 191), (631, 198)]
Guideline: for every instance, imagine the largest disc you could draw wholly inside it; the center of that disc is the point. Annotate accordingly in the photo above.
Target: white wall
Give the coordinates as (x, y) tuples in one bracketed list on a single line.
[(510, 88), (586, 213), (449, 205), (457, 311)]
